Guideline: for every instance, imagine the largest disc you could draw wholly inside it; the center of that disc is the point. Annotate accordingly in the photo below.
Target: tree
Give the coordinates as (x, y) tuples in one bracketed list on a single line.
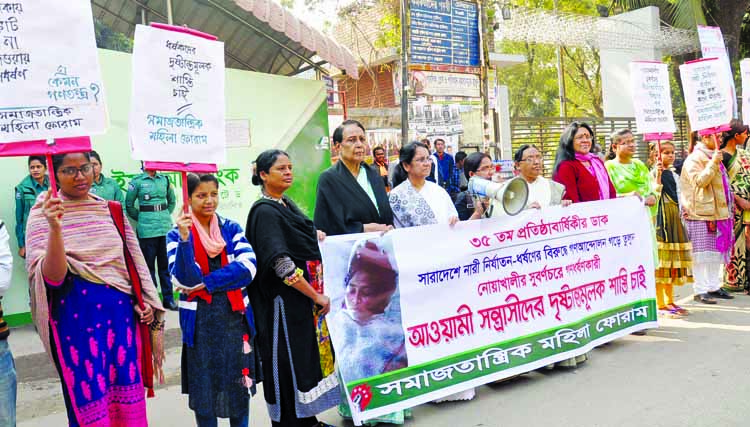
[(108, 39)]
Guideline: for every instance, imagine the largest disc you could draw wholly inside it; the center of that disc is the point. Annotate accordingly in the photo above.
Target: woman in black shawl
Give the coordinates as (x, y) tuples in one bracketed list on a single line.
[(286, 246), (351, 196)]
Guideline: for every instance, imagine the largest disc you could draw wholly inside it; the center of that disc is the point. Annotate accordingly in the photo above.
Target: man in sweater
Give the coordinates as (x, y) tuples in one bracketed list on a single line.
[(7, 368)]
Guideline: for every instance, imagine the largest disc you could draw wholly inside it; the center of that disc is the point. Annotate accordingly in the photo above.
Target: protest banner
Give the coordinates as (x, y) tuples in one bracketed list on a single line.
[(652, 102), (177, 112), (712, 46), (490, 299), (745, 74), (50, 78), (708, 94)]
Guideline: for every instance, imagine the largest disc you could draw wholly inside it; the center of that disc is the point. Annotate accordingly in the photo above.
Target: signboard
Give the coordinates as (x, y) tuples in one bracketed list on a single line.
[(445, 84), (495, 298), (177, 112), (652, 102), (444, 32), (50, 79), (712, 46), (708, 94), (745, 72)]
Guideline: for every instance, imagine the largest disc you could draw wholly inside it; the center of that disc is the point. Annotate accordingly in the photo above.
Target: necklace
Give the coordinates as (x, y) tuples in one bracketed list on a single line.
[(267, 197)]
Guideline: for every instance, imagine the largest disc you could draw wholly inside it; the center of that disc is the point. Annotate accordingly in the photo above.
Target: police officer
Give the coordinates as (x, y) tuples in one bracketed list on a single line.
[(27, 191), (156, 201), (106, 188)]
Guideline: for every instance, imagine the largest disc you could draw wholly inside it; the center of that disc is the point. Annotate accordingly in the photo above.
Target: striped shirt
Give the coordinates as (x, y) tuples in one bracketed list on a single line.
[(6, 266)]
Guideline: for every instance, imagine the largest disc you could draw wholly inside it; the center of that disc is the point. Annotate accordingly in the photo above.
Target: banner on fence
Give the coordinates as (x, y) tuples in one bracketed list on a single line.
[(177, 112), (49, 71), (421, 313), (652, 102), (708, 94)]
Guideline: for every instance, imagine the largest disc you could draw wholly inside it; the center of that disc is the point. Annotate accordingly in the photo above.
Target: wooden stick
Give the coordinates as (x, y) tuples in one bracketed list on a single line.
[(185, 204), (52, 179)]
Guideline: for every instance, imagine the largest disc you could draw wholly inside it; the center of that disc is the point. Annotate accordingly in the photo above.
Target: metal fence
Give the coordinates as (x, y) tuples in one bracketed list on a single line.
[(545, 133)]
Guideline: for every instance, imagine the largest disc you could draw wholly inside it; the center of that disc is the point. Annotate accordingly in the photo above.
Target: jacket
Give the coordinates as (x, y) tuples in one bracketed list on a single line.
[(702, 194), (237, 274), (26, 193), (151, 191)]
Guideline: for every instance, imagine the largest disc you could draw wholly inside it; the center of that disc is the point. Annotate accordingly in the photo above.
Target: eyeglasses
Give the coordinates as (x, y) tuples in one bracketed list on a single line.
[(73, 171), (532, 159), (423, 160), (583, 138)]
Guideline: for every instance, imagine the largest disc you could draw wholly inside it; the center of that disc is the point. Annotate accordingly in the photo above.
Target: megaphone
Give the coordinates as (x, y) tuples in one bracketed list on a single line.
[(512, 194)]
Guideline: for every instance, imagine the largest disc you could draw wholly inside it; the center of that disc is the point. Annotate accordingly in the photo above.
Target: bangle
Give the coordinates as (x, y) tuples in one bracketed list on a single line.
[(294, 277)]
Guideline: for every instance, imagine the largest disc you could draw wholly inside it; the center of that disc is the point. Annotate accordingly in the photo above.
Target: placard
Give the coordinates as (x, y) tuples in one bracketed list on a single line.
[(708, 95), (178, 109), (50, 79), (652, 101), (495, 298), (745, 75), (712, 46)]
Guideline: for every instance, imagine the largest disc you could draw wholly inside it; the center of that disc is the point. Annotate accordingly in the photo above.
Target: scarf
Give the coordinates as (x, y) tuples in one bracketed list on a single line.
[(202, 254), (94, 252), (213, 242), (724, 233), (596, 167)]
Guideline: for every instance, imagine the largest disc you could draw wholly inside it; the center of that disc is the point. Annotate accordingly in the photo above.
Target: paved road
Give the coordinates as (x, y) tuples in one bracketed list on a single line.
[(691, 372)]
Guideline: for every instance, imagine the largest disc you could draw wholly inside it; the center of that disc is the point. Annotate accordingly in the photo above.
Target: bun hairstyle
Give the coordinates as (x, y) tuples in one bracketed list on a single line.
[(615, 139), (338, 134), (264, 163)]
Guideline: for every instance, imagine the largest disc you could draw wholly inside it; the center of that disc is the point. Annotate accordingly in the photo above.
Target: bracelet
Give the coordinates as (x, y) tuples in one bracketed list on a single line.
[(294, 277)]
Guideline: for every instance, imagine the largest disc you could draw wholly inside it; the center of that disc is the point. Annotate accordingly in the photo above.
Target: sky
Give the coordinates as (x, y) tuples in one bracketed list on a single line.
[(326, 10)]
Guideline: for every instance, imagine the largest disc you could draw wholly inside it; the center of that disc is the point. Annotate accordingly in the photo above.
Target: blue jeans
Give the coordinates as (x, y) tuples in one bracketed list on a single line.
[(212, 422), (7, 386)]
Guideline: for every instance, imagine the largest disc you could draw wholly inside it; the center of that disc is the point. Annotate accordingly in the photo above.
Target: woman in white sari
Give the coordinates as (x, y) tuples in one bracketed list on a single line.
[(416, 201)]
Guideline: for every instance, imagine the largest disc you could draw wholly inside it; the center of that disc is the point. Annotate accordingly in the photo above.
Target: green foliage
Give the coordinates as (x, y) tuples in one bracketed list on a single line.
[(390, 30), (108, 39)]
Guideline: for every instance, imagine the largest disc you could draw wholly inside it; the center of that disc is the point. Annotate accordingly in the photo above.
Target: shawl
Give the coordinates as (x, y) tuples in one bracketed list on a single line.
[(724, 227), (343, 207), (412, 208), (598, 170), (94, 252), (631, 178), (212, 242), (201, 254)]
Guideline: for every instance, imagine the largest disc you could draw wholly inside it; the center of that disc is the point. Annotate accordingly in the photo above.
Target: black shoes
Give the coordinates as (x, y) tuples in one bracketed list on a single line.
[(704, 298), (721, 293), (170, 305)]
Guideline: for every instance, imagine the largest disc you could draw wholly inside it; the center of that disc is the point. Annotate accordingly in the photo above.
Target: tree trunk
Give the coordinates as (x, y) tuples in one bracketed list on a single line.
[(728, 17)]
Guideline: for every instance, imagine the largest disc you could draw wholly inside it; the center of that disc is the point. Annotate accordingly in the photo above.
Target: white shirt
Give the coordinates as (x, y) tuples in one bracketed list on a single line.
[(6, 259)]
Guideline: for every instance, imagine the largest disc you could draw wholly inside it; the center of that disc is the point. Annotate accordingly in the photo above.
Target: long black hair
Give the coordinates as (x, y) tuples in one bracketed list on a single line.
[(472, 162), (406, 156), (193, 181), (264, 163), (565, 148), (736, 128)]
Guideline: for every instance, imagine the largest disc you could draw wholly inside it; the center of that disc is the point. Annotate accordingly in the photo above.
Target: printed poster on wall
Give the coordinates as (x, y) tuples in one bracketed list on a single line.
[(745, 75), (652, 101), (177, 112), (708, 94), (50, 80), (494, 298)]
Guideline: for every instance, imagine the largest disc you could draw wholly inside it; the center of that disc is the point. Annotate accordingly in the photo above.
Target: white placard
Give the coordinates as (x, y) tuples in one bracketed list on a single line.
[(712, 46), (50, 81), (177, 113), (652, 102), (745, 72), (708, 95), (238, 133)]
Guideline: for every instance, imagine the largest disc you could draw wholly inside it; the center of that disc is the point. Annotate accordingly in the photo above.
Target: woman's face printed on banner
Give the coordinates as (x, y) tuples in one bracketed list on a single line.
[(371, 283)]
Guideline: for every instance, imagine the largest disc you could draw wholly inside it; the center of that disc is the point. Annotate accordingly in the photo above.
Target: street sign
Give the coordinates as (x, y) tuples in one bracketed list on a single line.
[(444, 32)]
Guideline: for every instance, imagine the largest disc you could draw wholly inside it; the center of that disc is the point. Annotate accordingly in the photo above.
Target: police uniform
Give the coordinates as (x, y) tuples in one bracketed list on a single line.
[(27, 192), (107, 189), (156, 201)]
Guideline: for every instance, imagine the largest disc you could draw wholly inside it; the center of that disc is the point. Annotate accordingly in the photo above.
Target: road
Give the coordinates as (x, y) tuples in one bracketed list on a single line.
[(689, 372)]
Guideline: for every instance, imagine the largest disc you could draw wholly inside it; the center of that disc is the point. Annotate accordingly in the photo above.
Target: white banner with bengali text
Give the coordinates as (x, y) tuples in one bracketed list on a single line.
[(652, 101), (712, 46), (708, 94), (178, 108), (745, 76), (425, 312), (50, 80)]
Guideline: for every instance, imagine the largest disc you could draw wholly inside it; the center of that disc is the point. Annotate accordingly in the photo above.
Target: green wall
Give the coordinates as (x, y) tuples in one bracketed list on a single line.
[(286, 113)]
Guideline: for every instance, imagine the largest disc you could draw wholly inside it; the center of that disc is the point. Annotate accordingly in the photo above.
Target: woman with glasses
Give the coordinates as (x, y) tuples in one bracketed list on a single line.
[(542, 191), (581, 172), (351, 196), (102, 186), (737, 162), (414, 200), (629, 176), (84, 302)]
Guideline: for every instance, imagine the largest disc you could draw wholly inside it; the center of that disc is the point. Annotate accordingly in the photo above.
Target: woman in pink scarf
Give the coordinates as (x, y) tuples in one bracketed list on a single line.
[(211, 262), (581, 172)]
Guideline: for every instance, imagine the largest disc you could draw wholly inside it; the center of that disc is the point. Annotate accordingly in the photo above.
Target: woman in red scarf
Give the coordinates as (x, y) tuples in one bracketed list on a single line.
[(211, 262)]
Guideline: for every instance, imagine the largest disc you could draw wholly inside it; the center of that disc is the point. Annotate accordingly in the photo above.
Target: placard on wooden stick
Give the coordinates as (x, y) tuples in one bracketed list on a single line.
[(708, 95), (652, 100)]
